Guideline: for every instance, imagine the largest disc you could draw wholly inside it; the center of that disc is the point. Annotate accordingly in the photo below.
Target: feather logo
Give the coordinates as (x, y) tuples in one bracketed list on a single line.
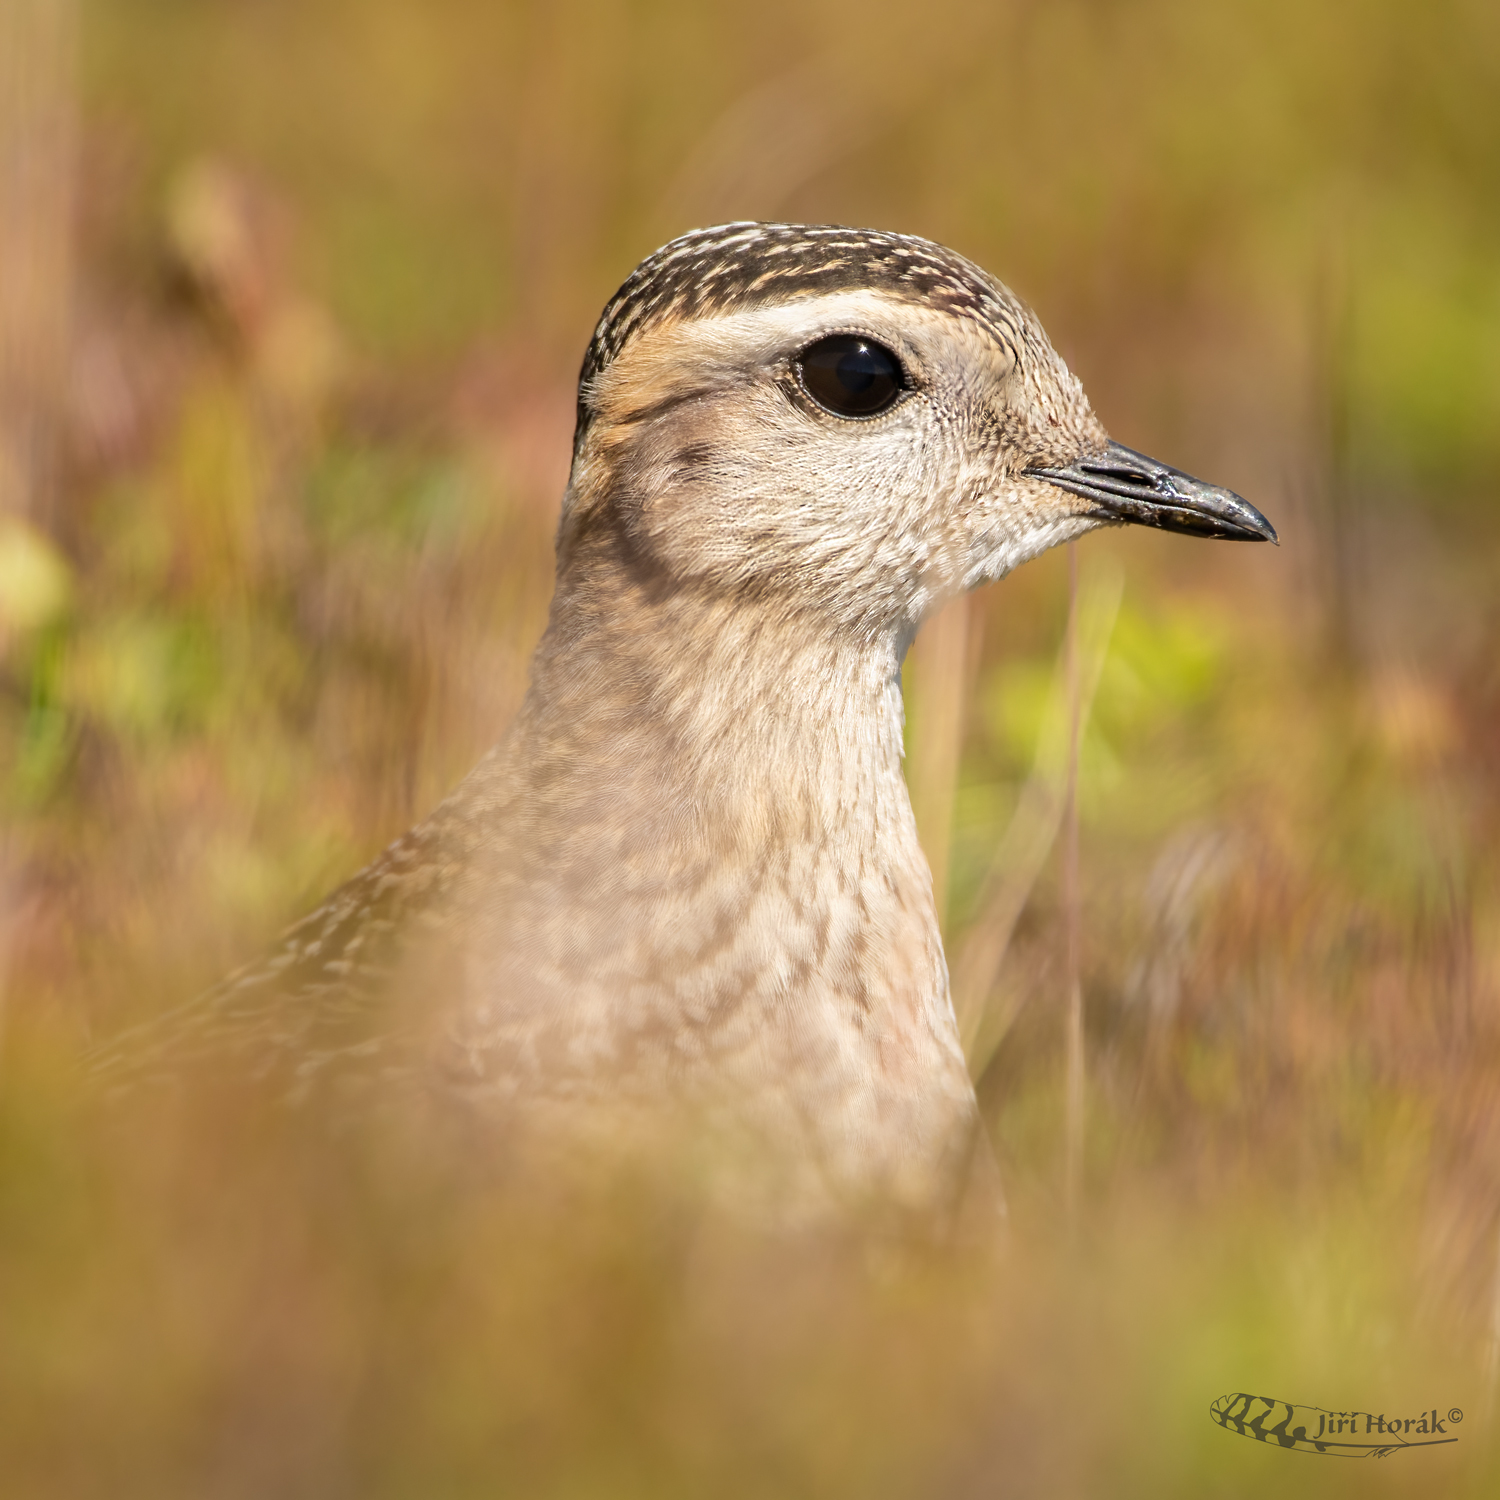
[(1336, 1434)]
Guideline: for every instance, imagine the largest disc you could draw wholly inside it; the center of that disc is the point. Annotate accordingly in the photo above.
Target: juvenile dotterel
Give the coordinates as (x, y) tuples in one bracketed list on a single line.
[(690, 869)]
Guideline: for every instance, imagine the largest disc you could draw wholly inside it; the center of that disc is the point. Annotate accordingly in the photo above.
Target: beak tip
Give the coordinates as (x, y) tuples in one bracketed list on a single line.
[(1266, 531)]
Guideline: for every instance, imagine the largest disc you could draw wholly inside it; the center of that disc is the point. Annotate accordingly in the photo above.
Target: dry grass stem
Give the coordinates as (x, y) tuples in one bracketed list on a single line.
[(1033, 828)]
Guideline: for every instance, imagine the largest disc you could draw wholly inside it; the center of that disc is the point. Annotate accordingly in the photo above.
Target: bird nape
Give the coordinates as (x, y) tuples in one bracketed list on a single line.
[(686, 885)]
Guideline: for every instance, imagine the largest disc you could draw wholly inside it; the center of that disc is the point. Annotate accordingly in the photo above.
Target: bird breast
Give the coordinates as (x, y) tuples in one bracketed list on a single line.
[(757, 937)]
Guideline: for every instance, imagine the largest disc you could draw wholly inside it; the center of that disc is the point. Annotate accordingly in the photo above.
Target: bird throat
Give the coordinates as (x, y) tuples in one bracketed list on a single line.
[(723, 737)]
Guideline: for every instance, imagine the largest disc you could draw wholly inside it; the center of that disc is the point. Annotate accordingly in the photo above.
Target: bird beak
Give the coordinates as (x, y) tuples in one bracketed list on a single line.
[(1127, 486)]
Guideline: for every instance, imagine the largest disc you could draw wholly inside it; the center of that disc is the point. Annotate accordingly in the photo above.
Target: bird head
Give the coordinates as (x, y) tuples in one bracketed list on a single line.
[(846, 423)]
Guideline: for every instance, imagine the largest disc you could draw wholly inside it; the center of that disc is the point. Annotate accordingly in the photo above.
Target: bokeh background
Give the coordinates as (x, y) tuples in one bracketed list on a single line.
[(292, 299)]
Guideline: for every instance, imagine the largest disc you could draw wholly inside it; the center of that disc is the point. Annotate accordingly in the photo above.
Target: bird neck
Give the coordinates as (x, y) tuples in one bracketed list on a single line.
[(746, 712), (711, 830)]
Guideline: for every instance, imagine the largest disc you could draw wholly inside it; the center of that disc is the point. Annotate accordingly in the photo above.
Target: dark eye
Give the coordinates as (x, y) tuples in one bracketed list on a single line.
[(850, 375)]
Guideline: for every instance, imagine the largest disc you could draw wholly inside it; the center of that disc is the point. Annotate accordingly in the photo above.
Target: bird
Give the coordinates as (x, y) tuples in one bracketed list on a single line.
[(688, 878)]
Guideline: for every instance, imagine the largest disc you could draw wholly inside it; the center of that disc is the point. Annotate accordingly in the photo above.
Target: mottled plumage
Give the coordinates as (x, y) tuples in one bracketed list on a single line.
[(736, 267), (687, 883)]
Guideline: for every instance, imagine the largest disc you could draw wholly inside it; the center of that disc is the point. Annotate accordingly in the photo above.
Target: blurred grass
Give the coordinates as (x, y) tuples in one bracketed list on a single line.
[(274, 554)]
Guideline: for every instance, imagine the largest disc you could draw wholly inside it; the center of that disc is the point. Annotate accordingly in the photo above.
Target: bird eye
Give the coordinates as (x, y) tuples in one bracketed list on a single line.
[(850, 375)]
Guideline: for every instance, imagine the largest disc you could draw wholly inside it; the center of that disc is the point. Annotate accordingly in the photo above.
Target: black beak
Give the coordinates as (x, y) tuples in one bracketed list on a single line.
[(1127, 486)]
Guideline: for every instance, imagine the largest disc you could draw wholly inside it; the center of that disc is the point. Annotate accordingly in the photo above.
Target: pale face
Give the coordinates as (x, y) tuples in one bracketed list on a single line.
[(711, 450), (726, 470)]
